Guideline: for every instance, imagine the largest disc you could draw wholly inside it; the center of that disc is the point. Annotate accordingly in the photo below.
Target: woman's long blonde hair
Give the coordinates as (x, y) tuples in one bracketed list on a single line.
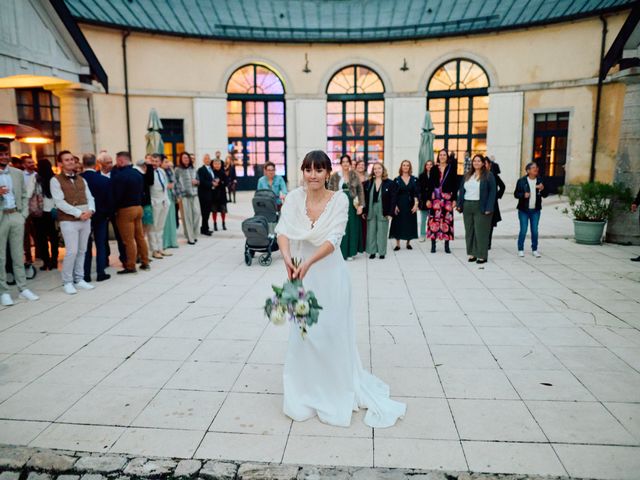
[(385, 174)]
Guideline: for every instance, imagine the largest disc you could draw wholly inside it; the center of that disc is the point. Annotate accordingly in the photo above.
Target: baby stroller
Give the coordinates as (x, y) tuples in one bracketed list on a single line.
[(259, 230)]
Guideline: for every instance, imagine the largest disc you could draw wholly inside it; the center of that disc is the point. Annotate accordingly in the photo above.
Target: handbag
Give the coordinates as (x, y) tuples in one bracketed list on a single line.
[(437, 192), (36, 202)]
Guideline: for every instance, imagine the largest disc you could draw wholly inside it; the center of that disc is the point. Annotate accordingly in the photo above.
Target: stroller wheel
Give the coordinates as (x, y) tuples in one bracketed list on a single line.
[(247, 258), (265, 260), (30, 271)]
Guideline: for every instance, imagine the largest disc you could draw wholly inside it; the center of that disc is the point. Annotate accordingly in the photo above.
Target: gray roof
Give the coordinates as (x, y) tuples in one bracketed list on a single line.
[(332, 20)]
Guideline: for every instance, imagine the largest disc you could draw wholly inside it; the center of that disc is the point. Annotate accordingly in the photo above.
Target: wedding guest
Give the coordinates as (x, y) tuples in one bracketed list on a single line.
[(105, 163), (634, 209), (476, 200), (29, 174), (529, 192), (426, 185), (347, 181), (128, 187), (443, 201), (379, 208), (230, 172), (219, 198), (170, 233), (404, 225), (13, 211), (273, 182), (100, 188), (75, 206), (205, 193), (145, 168), (159, 207), (494, 168), (45, 225), (186, 188), (361, 170)]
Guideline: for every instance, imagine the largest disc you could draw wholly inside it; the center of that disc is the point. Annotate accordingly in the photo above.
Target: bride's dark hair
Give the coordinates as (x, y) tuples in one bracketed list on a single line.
[(316, 159)]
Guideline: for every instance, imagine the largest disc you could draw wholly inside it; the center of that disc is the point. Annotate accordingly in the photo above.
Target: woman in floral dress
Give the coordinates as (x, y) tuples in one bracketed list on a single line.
[(443, 203)]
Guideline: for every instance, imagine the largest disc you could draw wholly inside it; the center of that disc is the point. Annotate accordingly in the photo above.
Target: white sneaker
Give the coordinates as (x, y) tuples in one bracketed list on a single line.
[(6, 300), (422, 239), (84, 285), (29, 295), (69, 289), (521, 253), (536, 254)]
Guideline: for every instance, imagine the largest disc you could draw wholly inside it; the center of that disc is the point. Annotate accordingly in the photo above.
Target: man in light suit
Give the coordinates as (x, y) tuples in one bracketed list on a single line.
[(13, 212), (160, 207)]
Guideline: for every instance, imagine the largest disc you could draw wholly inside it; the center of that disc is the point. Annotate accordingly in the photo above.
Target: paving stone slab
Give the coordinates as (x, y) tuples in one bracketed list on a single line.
[(379, 474), (188, 468), (324, 473), (51, 461), (260, 471), (39, 476), (143, 467), (92, 476), (14, 457), (68, 477), (9, 475), (214, 470), (100, 463)]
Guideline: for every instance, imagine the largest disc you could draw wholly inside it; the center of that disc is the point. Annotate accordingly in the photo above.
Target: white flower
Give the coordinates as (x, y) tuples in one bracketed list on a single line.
[(278, 316), (302, 308)]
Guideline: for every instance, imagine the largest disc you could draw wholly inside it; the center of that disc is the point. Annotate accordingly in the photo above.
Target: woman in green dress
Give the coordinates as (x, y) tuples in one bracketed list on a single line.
[(348, 181), (170, 233)]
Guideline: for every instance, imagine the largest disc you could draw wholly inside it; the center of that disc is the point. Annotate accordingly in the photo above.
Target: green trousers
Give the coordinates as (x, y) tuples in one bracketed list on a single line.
[(377, 230), (477, 228)]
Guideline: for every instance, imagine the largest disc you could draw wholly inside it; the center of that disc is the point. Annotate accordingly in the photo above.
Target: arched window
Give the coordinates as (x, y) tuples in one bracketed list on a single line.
[(458, 99), (355, 115), (256, 122)]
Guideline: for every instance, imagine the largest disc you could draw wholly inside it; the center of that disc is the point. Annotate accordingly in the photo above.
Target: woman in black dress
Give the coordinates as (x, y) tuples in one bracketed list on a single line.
[(219, 194), (404, 225), (494, 168), (426, 184)]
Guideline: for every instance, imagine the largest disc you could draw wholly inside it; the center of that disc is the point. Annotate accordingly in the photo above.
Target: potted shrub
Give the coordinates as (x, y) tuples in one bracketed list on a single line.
[(591, 205)]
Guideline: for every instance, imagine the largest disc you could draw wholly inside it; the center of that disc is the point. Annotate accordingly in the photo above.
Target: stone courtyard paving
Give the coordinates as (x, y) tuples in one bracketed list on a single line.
[(523, 366)]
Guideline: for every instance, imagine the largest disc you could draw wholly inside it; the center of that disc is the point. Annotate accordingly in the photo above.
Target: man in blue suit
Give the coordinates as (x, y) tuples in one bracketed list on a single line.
[(100, 187)]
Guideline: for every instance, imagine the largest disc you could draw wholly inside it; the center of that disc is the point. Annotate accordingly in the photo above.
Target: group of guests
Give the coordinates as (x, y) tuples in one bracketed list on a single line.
[(382, 209), (142, 202)]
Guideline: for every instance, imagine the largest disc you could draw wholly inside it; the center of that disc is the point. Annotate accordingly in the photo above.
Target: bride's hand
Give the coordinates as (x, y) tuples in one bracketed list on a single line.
[(290, 268), (301, 271)]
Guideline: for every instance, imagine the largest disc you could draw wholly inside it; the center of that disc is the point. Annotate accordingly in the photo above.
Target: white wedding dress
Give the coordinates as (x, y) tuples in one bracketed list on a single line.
[(323, 373)]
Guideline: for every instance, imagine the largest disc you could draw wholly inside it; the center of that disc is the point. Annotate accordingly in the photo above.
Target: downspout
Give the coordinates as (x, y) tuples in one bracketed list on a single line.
[(126, 87), (596, 123)]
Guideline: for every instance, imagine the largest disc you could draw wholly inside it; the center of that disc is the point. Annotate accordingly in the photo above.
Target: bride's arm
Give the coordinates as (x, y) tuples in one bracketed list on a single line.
[(283, 244)]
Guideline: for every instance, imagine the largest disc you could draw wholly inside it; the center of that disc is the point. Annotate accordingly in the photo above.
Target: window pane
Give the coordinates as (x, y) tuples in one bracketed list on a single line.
[(436, 104)]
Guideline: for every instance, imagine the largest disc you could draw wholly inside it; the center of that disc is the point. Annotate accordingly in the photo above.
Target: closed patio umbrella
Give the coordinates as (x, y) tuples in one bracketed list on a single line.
[(426, 142), (153, 137)]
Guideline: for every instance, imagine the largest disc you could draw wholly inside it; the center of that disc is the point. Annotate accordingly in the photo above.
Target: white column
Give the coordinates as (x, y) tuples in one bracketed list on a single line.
[(306, 131), (403, 122), (75, 120), (209, 126), (504, 135)]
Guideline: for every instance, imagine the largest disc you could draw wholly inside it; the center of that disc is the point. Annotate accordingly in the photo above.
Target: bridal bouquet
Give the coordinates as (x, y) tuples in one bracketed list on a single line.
[(292, 302)]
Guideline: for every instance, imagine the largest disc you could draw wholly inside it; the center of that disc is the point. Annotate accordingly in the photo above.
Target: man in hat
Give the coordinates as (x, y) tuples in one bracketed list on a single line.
[(13, 211)]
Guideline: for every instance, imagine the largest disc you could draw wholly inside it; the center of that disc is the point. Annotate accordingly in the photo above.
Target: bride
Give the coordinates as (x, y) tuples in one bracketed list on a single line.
[(323, 374)]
